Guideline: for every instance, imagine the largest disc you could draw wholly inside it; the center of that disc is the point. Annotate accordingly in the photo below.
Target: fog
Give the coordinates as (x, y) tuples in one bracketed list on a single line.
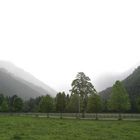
[(108, 79), (53, 40)]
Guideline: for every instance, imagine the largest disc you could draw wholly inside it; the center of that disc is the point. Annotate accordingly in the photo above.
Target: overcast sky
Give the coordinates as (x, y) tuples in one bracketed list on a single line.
[(55, 39)]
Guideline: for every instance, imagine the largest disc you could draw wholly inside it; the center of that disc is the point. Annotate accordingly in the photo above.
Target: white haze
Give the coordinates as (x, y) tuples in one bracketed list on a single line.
[(20, 73), (53, 40)]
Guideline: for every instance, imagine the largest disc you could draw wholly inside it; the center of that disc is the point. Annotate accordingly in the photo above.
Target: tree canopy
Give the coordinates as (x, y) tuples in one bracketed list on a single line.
[(119, 100), (83, 87)]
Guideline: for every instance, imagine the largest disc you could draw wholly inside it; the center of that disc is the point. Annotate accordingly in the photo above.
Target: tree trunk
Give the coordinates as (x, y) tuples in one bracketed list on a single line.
[(83, 107), (60, 115), (79, 107), (77, 116), (48, 115), (120, 116), (96, 116), (83, 114)]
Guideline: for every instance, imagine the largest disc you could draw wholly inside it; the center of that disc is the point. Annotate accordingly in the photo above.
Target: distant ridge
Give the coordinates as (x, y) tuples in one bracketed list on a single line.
[(132, 85), (14, 80)]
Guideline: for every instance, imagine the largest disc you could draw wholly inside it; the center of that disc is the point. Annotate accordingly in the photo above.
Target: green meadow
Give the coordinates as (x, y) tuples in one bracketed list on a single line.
[(37, 128)]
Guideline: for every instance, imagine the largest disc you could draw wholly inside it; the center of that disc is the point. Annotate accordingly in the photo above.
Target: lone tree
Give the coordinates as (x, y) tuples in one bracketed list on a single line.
[(83, 87), (94, 104), (119, 100), (46, 104)]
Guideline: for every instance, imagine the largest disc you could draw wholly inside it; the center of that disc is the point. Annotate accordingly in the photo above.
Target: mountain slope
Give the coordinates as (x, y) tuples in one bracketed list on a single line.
[(132, 85), (26, 77), (107, 79), (11, 85)]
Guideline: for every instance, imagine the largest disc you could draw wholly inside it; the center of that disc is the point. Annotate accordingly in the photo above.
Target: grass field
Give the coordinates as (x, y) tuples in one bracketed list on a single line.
[(35, 128)]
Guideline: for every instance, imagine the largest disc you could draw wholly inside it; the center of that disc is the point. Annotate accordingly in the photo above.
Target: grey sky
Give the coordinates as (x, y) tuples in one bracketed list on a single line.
[(54, 39)]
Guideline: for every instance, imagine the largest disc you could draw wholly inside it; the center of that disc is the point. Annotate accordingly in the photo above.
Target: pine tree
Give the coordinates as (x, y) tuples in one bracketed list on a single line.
[(17, 104), (60, 103)]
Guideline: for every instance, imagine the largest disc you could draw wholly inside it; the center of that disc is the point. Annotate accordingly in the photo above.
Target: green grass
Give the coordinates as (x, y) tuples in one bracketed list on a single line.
[(34, 128)]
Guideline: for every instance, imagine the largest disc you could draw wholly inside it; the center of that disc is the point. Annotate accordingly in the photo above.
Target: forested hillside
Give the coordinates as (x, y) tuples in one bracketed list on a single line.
[(132, 85)]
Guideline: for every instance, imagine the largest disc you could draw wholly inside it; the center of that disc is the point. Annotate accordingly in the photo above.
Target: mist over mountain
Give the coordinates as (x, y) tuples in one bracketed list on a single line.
[(132, 85), (14, 80), (11, 77), (108, 79)]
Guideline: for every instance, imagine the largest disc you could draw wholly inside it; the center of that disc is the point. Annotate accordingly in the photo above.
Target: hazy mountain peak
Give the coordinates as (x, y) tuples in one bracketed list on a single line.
[(20, 73)]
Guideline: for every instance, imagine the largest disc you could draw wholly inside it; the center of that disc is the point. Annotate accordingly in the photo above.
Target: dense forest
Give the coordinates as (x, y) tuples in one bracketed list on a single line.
[(82, 98)]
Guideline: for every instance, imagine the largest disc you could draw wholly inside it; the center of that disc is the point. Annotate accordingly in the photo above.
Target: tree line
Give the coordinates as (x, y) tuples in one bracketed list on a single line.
[(83, 98)]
